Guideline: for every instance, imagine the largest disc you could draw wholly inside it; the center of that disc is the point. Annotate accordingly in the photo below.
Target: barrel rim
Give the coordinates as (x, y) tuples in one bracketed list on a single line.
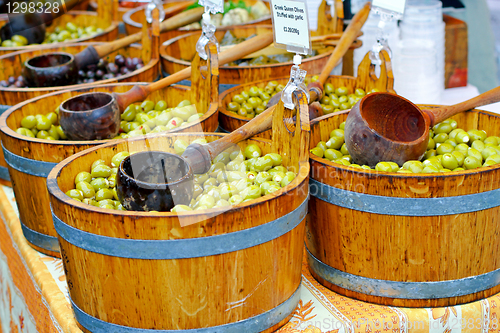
[(108, 30), (56, 193), (149, 66), (165, 56), (128, 21), (6, 130), (322, 162)]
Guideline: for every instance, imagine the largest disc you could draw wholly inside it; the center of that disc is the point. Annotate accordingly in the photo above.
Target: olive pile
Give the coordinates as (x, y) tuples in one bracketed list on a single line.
[(104, 70), (148, 117), (42, 127), (69, 32), (137, 119), (450, 149), (235, 176), (252, 102), (16, 40)]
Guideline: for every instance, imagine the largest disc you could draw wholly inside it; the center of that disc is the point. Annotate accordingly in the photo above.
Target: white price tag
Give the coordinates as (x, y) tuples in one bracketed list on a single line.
[(291, 25), (215, 6), (397, 6)]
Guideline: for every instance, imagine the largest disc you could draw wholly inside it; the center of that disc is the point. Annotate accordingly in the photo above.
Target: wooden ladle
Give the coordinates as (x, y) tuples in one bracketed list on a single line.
[(61, 68), (388, 127), (96, 116)]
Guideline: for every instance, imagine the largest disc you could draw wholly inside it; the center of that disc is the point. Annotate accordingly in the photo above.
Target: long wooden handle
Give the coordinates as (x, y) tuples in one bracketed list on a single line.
[(182, 19), (259, 124), (199, 156), (348, 37), (139, 93), (443, 113), (171, 23)]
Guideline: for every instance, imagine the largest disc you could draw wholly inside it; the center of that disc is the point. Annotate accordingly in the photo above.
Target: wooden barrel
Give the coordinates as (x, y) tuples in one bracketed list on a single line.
[(12, 64), (133, 17), (366, 79), (104, 18), (30, 160), (237, 270), (176, 54), (412, 240)]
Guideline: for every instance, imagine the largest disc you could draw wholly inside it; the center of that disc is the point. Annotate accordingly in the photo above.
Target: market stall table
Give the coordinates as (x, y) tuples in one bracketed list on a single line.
[(34, 298)]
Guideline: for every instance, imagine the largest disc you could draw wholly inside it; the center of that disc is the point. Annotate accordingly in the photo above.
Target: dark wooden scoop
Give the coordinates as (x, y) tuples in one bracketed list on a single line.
[(347, 38), (388, 127), (96, 116), (159, 180), (49, 70)]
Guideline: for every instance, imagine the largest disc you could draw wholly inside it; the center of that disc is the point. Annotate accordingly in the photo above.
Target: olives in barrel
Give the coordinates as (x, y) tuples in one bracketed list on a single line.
[(137, 119), (450, 149), (221, 186), (252, 102)]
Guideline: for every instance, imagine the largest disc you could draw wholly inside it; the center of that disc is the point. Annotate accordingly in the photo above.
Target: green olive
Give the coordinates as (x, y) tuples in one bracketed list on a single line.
[(413, 166), (104, 193), (335, 142), (29, 122), (86, 189), (471, 162), (101, 170), (181, 208), (444, 148), (289, 177), (475, 134), (460, 157), (442, 128), (449, 161), (75, 194), (83, 176), (252, 150), (477, 144), (317, 151), (440, 137), (99, 183), (332, 154), (341, 91), (263, 163), (43, 123)]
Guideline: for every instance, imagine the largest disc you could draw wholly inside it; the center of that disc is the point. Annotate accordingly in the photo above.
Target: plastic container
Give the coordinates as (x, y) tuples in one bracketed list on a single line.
[(416, 74)]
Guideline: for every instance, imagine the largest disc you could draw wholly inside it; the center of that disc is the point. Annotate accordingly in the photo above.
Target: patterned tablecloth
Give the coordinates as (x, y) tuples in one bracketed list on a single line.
[(34, 298)]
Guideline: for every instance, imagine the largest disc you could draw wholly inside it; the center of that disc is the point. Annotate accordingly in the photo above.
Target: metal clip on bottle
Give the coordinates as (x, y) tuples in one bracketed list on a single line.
[(296, 82), (382, 44), (149, 9), (207, 28)]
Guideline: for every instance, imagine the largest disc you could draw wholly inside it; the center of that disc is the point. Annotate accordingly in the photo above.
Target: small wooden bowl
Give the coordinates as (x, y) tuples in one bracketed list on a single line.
[(12, 64), (133, 17), (366, 79), (143, 185), (84, 18), (33, 200), (41, 72)]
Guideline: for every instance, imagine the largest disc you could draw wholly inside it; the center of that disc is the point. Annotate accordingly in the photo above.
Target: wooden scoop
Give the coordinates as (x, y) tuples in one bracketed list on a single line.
[(59, 69), (388, 127), (347, 38), (96, 116)]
